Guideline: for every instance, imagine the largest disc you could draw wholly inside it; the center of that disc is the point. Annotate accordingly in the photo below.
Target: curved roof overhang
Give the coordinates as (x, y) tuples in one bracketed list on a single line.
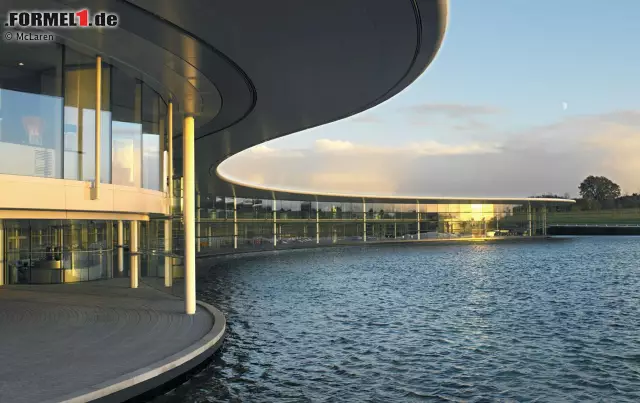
[(252, 71), (257, 70), (304, 195), (311, 63)]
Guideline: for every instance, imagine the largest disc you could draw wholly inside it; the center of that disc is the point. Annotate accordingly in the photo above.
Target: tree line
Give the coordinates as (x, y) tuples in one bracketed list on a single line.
[(598, 193)]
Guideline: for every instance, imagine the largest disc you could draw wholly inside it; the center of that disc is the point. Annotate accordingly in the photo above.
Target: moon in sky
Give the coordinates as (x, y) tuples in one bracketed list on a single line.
[(565, 106)]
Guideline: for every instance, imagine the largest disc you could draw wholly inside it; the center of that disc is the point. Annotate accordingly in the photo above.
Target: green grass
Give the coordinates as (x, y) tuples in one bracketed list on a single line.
[(620, 216)]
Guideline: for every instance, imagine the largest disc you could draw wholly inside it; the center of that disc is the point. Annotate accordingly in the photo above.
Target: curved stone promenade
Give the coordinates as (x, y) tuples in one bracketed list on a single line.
[(73, 342)]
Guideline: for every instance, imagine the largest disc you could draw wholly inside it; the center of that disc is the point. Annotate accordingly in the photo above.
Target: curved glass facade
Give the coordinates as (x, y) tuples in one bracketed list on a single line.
[(57, 251), (225, 223), (48, 115)]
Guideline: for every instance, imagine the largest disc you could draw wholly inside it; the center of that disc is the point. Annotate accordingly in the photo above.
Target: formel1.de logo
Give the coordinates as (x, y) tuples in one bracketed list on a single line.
[(60, 19)]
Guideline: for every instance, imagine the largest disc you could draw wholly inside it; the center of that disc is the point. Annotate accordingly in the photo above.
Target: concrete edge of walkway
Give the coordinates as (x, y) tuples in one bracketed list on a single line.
[(148, 378)]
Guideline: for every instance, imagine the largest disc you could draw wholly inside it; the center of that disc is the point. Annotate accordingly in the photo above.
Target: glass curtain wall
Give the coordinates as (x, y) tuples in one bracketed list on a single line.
[(31, 109), (343, 222), (48, 111), (80, 115), (152, 248), (58, 251), (153, 124), (126, 129)]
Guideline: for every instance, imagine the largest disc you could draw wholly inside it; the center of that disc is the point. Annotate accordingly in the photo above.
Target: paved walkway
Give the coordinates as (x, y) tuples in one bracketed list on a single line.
[(58, 339)]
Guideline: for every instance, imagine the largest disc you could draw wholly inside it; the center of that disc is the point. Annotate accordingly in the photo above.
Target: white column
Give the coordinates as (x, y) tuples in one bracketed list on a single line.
[(189, 215), (61, 243), (72, 257), (80, 126), (133, 247), (168, 249), (120, 246), (418, 215), (198, 222), (530, 216), (170, 156), (364, 221), (2, 265), (544, 220), (98, 120), (275, 228), (235, 223), (182, 194), (168, 223), (317, 222)]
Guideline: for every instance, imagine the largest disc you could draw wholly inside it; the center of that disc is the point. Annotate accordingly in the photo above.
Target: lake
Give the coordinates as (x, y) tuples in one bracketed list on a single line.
[(555, 320)]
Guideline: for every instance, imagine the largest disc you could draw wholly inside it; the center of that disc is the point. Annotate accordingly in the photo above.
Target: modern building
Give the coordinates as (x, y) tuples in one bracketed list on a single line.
[(110, 137)]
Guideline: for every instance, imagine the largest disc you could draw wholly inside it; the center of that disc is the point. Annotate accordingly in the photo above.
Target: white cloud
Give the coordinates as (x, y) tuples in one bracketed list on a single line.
[(550, 158), (333, 145), (261, 149), (619, 146), (436, 148), (428, 147)]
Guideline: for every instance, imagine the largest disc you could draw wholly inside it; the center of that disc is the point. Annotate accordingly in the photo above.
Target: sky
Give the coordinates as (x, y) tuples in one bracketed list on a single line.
[(524, 98)]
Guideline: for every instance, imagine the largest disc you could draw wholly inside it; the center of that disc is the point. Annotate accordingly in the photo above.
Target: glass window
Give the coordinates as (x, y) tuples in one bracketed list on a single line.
[(228, 202), (466, 208), (80, 115), (357, 208), (52, 251), (31, 109), (243, 206), (267, 205), (295, 209), (306, 210), (422, 207), (126, 129), (153, 109), (219, 207), (323, 209)]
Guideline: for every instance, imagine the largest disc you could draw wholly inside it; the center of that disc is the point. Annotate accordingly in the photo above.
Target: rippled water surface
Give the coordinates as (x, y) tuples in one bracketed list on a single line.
[(546, 321)]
